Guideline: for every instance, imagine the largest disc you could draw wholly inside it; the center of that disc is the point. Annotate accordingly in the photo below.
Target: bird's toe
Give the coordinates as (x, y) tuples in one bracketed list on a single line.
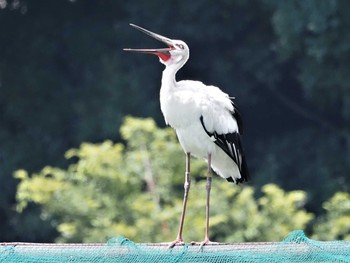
[(176, 242), (204, 243)]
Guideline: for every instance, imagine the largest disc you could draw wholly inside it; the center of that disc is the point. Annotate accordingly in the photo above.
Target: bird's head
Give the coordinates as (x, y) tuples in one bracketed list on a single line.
[(177, 52)]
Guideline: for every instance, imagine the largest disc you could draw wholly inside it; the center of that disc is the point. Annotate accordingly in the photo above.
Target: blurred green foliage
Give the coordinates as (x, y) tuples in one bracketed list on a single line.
[(335, 225), (134, 191), (64, 80)]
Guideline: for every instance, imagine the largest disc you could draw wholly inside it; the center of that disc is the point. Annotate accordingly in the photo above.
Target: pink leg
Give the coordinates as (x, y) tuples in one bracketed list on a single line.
[(179, 240), (207, 206)]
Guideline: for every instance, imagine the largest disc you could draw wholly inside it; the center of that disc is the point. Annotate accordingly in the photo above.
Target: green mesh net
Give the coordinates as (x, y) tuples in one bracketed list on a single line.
[(296, 247)]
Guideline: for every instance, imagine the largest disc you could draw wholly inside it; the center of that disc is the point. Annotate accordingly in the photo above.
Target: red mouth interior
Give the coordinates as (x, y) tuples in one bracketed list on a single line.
[(163, 55)]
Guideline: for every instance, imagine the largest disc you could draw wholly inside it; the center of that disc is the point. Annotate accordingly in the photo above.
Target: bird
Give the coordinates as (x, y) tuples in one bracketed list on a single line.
[(206, 120)]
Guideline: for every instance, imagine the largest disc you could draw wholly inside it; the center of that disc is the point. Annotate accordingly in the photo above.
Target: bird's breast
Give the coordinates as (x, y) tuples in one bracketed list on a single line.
[(179, 109), (193, 139), (182, 111)]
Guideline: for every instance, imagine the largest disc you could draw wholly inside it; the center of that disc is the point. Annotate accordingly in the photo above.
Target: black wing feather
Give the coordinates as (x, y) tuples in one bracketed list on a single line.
[(231, 144)]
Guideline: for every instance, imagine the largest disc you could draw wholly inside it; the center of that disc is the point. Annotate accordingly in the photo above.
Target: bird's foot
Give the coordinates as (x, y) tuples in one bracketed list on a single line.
[(203, 243), (176, 242)]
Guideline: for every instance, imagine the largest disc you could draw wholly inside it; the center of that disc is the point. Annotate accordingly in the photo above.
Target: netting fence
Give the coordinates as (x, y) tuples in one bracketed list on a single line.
[(296, 247)]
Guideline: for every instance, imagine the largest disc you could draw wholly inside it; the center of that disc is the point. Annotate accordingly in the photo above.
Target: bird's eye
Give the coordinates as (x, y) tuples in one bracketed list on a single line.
[(180, 46)]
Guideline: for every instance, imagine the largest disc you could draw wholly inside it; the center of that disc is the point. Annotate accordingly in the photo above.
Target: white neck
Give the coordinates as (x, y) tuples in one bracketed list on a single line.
[(169, 76), (172, 66)]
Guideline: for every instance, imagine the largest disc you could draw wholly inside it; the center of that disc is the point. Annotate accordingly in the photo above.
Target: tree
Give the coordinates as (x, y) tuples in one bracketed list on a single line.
[(102, 193), (335, 224), (134, 190)]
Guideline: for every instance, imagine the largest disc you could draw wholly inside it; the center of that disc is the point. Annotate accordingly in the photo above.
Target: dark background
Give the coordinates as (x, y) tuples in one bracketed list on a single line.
[(64, 79)]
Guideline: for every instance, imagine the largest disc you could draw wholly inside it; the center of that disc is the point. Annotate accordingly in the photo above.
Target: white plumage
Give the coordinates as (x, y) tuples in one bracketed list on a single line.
[(207, 123), (183, 105)]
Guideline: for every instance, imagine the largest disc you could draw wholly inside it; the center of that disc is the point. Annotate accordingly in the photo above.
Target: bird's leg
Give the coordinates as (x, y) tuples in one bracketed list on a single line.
[(187, 184), (207, 206)]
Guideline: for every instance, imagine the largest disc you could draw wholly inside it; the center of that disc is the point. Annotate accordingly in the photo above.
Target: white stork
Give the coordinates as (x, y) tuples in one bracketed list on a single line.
[(207, 122)]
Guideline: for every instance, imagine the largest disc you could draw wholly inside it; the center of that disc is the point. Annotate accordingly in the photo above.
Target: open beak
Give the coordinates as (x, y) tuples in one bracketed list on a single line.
[(163, 53)]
